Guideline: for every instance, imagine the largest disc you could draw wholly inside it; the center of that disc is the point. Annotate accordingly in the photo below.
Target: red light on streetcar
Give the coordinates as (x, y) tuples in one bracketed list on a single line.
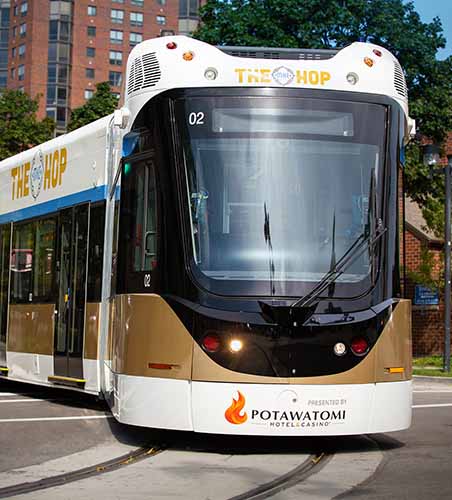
[(171, 45), (211, 342), (359, 346)]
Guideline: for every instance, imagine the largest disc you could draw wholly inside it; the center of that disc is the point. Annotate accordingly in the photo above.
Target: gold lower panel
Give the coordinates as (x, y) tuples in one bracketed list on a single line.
[(31, 328), (146, 331)]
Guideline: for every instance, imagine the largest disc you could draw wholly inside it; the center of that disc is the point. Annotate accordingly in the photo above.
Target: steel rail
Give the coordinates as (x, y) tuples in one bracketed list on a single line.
[(312, 465), (77, 475)]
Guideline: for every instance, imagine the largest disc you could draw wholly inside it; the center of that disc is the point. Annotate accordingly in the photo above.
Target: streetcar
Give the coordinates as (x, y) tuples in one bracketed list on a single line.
[(221, 254)]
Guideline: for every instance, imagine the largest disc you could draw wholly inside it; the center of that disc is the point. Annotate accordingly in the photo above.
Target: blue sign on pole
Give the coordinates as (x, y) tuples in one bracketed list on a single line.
[(425, 296)]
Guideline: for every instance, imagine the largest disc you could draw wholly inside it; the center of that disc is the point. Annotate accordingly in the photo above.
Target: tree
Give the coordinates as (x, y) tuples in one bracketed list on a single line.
[(19, 127), (321, 24), (101, 104)]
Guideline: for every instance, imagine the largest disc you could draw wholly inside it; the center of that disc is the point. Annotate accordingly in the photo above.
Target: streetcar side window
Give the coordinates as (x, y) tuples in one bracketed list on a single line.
[(145, 245), (22, 262), (44, 259), (138, 226), (95, 253), (32, 261), (5, 232)]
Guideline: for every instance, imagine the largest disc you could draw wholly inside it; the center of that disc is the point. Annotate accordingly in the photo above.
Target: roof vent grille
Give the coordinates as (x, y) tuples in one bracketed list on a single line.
[(273, 53), (144, 73), (399, 81)]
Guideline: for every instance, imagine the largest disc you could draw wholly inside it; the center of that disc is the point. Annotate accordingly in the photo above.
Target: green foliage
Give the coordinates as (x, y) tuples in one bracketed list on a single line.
[(394, 24), (101, 104), (19, 127), (424, 275)]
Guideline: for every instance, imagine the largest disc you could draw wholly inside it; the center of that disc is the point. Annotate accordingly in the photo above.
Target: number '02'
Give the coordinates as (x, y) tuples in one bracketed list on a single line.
[(147, 280), (196, 118)]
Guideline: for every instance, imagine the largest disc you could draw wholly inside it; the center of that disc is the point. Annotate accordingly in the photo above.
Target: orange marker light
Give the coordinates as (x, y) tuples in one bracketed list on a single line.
[(188, 56), (368, 61)]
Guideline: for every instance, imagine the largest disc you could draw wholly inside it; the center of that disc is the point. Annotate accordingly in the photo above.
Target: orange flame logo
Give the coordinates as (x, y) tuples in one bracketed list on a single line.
[(232, 414)]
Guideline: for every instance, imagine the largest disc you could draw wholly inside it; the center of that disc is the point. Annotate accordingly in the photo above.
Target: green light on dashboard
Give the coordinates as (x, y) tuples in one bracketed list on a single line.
[(127, 168)]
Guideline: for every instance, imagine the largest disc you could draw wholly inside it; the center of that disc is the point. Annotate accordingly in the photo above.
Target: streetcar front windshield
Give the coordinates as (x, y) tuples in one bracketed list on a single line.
[(278, 190)]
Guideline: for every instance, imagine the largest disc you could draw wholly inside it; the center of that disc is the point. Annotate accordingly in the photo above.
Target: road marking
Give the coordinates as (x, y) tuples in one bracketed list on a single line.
[(30, 400), (14, 394), (47, 419), (433, 392), (439, 405)]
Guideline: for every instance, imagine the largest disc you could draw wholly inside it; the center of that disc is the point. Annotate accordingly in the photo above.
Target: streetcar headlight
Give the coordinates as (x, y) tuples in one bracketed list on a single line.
[(340, 349), (352, 78), (235, 345), (210, 74)]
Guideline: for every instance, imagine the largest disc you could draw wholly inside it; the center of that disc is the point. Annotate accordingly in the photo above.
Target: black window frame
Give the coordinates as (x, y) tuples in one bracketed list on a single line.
[(129, 280)]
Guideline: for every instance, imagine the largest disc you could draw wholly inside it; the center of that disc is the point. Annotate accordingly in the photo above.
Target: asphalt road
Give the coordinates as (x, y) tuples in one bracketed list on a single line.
[(417, 463), (414, 464)]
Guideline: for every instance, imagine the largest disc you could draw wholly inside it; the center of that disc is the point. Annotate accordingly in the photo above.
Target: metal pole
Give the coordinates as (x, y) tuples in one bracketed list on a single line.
[(447, 275)]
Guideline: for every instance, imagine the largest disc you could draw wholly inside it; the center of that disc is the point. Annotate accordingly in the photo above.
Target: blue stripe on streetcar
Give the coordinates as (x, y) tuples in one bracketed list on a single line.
[(94, 194)]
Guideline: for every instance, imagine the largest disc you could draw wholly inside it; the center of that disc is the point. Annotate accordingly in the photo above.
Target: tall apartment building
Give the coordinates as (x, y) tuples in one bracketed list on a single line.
[(59, 49), (4, 36)]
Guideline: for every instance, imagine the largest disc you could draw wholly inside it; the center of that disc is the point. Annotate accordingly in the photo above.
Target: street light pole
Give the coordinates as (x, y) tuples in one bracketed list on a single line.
[(431, 158), (447, 273)]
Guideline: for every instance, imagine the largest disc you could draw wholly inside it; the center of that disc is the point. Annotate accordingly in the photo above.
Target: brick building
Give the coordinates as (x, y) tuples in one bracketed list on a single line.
[(423, 247), (59, 49)]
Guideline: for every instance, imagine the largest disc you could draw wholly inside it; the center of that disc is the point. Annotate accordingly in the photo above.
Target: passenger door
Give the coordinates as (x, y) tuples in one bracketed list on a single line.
[(5, 242), (71, 300)]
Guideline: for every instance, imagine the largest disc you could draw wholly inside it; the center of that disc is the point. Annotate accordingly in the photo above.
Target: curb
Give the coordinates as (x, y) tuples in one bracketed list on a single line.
[(426, 378)]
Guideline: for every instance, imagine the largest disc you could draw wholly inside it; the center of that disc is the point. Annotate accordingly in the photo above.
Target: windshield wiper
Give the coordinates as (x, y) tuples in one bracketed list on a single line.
[(373, 232)]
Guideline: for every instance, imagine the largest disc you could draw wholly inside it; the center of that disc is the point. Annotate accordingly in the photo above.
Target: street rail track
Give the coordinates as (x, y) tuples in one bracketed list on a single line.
[(310, 466), (92, 470)]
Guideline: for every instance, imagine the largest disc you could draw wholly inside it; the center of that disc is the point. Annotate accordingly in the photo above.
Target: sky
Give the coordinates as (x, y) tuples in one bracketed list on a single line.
[(428, 9)]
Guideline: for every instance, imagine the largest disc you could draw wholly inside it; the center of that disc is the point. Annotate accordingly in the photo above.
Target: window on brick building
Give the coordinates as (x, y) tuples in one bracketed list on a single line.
[(91, 31), (115, 78), (160, 19), (92, 10), (24, 9), (13, 73), (21, 50), (118, 1), (117, 16), (14, 31), (13, 52), (51, 95), (90, 51), (188, 8), (51, 73), (115, 57), (116, 94), (89, 93), (136, 19), (59, 8), (161, 2), (135, 38), (138, 3), (61, 115), (89, 72), (116, 36), (21, 72), (23, 29), (15, 8), (62, 73)]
